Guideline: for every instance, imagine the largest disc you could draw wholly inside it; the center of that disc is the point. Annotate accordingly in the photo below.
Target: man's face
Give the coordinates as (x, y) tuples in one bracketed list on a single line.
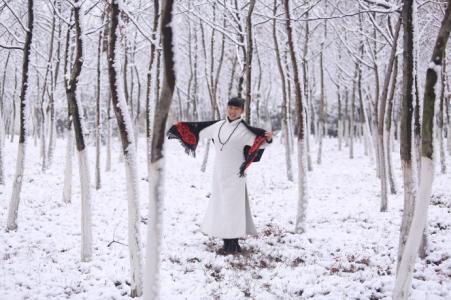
[(234, 112)]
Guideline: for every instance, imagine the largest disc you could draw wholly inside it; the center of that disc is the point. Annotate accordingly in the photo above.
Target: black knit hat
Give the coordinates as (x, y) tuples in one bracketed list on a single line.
[(236, 101)]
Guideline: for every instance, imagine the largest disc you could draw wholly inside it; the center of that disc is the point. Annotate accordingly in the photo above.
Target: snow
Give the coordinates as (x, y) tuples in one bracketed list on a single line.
[(348, 251)]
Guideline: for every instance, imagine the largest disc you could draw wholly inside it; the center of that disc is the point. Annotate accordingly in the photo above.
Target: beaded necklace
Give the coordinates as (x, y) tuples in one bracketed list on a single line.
[(227, 140)]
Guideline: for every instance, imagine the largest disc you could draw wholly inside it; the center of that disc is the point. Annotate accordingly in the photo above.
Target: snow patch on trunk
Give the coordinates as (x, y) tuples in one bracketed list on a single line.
[(410, 253), (302, 186), (86, 222), (154, 229), (17, 187), (67, 189)]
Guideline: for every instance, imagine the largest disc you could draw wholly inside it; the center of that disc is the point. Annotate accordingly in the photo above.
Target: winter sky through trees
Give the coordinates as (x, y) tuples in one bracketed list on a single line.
[(352, 200)]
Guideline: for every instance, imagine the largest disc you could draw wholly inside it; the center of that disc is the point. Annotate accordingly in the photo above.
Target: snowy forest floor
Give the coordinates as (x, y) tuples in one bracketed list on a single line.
[(348, 252)]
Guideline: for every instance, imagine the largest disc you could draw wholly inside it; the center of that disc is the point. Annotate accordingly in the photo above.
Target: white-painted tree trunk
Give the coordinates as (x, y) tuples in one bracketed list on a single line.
[(307, 144), (302, 186), (17, 187), (2, 142), (156, 194), (108, 146), (410, 253), (286, 144), (67, 188), (134, 244), (409, 205), (449, 137), (51, 145), (383, 174), (320, 142), (365, 143), (98, 182), (389, 164), (351, 138), (86, 223), (346, 133), (43, 145), (442, 151)]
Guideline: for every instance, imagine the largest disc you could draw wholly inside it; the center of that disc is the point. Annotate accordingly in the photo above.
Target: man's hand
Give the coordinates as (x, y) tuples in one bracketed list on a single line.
[(268, 136)]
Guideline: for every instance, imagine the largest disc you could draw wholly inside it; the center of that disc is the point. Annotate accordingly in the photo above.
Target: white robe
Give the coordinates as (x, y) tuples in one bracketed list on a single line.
[(228, 214)]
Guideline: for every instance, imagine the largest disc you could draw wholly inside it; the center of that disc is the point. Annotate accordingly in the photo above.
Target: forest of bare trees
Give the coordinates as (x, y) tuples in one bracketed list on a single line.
[(97, 73)]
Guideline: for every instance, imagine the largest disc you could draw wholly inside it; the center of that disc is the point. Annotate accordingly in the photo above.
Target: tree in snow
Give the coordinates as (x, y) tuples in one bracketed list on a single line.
[(418, 223), (129, 151), (77, 119), (156, 167), (302, 174), (18, 177)]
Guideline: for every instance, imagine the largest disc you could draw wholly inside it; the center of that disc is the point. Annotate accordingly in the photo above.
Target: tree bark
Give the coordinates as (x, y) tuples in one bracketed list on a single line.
[(156, 167), (440, 122), (285, 111), (308, 116), (381, 123), (302, 175), (98, 182), (125, 127), (75, 112), (388, 129), (156, 9), (18, 177), (249, 53), (322, 104), (406, 265), (406, 125)]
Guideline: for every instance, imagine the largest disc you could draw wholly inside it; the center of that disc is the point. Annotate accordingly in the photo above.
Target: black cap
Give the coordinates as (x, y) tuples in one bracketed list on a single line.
[(236, 101)]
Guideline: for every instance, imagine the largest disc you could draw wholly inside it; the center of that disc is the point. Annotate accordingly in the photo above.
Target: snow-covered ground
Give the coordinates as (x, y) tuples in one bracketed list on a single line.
[(348, 251)]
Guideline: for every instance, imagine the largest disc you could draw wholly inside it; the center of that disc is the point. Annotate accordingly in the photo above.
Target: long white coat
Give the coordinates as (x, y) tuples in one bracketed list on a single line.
[(228, 214)]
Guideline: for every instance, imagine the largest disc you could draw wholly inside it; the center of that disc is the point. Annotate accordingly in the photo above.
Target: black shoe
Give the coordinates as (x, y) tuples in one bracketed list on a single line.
[(234, 246), (237, 247), (227, 245)]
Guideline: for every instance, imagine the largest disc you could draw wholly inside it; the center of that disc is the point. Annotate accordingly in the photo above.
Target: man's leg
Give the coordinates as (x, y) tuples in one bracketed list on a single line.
[(234, 246)]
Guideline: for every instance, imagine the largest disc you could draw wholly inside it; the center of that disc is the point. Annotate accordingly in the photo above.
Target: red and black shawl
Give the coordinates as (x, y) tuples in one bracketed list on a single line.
[(188, 135)]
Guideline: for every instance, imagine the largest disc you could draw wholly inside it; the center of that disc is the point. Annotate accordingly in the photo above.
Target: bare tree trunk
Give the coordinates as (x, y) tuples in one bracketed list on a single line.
[(406, 265), (249, 53), (18, 177), (125, 127), (195, 78), (43, 115), (51, 106), (302, 175), (308, 116), (321, 117), (346, 122), (2, 141), (156, 167), (440, 122), (75, 112), (13, 122), (352, 117), (380, 128), (388, 131), (285, 112), (2, 122), (97, 173), (156, 9), (108, 134), (67, 188), (340, 115), (406, 126)]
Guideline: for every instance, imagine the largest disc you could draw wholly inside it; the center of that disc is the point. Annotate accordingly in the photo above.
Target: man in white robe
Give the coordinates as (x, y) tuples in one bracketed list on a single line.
[(228, 213)]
